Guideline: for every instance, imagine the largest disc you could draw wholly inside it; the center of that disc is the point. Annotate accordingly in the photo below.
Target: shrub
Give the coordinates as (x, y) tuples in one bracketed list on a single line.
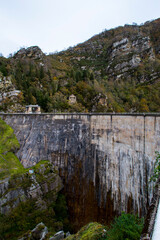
[(157, 168), (126, 227)]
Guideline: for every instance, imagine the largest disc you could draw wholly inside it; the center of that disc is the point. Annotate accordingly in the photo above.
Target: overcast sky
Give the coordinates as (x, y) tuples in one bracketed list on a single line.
[(54, 25)]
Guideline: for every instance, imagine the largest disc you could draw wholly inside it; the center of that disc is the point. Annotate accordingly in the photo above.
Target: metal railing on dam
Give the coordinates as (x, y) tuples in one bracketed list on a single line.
[(89, 114), (152, 220), (156, 230)]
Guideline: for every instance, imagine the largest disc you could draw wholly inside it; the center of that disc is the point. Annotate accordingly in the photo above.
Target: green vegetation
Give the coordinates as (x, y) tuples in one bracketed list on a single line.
[(91, 231), (49, 208), (8, 141), (122, 96), (128, 96), (156, 173), (9, 163), (124, 227), (27, 215), (61, 214), (4, 66)]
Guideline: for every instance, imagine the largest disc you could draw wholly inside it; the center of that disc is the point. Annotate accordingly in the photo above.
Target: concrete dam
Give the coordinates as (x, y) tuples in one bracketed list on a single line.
[(105, 160)]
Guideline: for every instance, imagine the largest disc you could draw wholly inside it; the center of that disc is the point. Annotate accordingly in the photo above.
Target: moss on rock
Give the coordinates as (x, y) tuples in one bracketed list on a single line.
[(91, 231), (9, 163)]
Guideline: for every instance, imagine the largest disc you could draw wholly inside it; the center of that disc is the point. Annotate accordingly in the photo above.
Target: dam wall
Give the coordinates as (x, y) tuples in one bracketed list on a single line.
[(105, 160)]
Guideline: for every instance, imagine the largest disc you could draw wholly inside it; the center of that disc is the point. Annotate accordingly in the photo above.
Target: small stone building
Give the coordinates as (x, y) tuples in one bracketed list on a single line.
[(33, 109), (72, 99)]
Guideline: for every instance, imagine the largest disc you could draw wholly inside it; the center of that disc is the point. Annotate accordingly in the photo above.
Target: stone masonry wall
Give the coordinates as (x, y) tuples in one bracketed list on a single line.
[(106, 160)]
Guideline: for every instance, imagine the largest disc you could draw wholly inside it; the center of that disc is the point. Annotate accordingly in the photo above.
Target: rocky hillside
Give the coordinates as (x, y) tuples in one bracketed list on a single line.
[(127, 226), (27, 196), (117, 70)]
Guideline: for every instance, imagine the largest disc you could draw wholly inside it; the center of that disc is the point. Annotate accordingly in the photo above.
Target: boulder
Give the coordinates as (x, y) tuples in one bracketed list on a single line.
[(38, 233), (58, 236)]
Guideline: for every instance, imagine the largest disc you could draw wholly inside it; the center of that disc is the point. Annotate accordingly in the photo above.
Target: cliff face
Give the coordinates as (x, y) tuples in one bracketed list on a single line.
[(127, 54), (105, 160), (36, 186), (29, 198)]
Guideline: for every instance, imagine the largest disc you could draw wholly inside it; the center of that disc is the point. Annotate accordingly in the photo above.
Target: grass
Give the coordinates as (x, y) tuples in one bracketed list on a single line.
[(9, 163), (8, 140), (42, 162), (91, 231)]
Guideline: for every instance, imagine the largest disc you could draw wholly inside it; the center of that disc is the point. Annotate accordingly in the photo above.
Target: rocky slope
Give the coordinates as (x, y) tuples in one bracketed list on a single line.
[(37, 185), (116, 70), (27, 196), (127, 226)]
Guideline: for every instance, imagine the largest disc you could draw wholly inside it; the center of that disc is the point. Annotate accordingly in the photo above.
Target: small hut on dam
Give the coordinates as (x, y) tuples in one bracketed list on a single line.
[(33, 109)]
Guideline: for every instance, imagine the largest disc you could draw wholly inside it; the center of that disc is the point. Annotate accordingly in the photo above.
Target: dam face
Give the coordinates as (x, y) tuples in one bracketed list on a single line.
[(105, 160)]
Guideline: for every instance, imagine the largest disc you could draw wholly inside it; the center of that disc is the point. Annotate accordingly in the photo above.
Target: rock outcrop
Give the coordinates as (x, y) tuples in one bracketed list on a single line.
[(91, 231), (10, 98), (26, 186), (33, 52), (126, 55), (38, 233)]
